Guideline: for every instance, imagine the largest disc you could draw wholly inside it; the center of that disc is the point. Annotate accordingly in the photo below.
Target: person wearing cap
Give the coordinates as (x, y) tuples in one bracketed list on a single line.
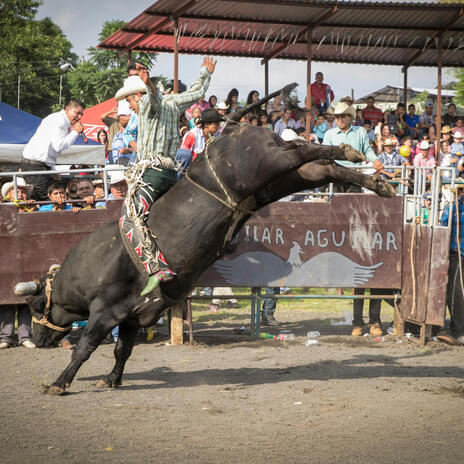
[(455, 292), (426, 119), (457, 145), (195, 140), (120, 153), (446, 134), (412, 121), (346, 133), (390, 157), (118, 185), (424, 157), (450, 117), (113, 124), (22, 201), (222, 108), (57, 132), (156, 146)]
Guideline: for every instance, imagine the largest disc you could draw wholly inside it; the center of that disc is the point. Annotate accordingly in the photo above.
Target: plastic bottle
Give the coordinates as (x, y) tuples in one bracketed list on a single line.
[(311, 341), (313, 335), (286, 337), (266, 335)]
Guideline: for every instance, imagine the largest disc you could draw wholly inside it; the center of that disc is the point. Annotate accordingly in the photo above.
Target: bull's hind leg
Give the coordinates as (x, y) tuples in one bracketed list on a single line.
[(122, 351)]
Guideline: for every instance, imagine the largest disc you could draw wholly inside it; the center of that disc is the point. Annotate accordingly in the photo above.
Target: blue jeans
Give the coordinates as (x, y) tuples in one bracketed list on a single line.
[(269, 304)]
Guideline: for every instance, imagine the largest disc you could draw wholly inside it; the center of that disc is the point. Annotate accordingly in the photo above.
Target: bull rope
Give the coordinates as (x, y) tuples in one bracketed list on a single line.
[(231, 204), (48, 295)]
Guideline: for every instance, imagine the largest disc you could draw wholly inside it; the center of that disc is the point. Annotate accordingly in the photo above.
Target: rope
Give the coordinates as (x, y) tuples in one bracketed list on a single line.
[(48, 295), (417, 221), (231, 204)]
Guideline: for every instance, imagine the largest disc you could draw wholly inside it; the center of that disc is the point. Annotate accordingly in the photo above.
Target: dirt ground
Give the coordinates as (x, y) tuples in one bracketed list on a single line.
[(234, 399)]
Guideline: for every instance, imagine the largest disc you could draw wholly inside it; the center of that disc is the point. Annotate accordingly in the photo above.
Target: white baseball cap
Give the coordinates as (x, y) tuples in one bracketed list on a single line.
[(123, 108)]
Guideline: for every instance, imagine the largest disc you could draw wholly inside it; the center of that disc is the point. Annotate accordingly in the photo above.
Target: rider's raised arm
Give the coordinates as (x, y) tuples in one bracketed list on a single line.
[(185, 99)]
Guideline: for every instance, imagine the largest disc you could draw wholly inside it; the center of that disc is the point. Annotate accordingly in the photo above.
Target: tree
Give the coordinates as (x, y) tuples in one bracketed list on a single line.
[(459, 86), (101, 77), (31, 51)]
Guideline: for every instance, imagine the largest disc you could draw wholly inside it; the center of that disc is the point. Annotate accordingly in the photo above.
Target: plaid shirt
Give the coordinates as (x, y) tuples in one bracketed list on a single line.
[(158, 130)]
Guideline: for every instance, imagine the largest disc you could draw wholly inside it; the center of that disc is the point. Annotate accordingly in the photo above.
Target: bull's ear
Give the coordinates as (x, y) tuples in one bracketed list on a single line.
[(36, 304)]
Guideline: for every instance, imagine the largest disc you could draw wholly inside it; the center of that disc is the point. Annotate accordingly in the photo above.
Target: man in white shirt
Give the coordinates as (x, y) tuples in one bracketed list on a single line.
[(56, 133)]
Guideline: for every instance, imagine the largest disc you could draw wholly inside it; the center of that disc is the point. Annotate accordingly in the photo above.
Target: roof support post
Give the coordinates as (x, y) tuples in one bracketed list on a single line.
[(266, 77), (176, 55), (439, 85), (405, 88), (309, 57)]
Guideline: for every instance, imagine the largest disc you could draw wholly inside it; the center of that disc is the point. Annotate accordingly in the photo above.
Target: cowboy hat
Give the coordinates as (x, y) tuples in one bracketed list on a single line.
[(289, 134), (222, 106), (133, 84), (458, 135), (343, 108), (210, 115), (424, 145), (115, 177), (389, 142), (445, 129), (20, 182)]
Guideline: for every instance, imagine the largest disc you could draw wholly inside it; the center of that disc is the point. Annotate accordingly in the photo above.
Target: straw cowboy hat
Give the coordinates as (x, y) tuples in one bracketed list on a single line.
[(133, 84), (389, 142), (20, 182), (343, 108), (210, 115), (446, 129)]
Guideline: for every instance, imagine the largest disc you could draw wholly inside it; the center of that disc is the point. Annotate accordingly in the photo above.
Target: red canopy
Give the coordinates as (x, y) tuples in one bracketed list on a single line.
[(91, 118)]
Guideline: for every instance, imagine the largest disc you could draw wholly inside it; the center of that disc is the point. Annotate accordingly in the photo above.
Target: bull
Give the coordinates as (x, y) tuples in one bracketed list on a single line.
[(194, 224)]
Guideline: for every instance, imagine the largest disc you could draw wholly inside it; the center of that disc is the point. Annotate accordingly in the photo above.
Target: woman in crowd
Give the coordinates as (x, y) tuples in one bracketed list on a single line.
[(385, 134), (213, 102), (102, 138), (359, 121), (232, 101)]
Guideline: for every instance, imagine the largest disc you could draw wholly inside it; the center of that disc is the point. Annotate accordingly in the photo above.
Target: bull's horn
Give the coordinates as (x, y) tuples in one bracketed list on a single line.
[(53, 268), (25, 288)]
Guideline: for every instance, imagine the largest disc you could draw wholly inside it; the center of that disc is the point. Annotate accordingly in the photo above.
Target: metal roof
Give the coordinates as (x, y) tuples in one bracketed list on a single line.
[(390, 33), (391, 93)]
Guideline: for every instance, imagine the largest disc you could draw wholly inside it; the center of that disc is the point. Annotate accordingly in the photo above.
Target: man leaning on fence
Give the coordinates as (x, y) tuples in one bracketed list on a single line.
[(56, 133)]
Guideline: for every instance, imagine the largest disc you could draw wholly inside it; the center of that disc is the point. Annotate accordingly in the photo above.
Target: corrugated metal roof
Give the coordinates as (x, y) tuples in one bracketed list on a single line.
[(390, 33)]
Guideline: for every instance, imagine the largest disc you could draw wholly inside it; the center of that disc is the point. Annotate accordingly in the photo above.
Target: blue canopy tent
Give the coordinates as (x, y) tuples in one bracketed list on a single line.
[(16, 129)]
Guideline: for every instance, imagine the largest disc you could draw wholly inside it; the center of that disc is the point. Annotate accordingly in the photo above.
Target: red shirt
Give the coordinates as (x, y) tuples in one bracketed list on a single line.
[(319, 93), (374, 115)]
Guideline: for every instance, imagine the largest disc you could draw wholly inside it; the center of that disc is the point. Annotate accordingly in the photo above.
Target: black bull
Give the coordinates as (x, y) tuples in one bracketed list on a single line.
[(98, 280)]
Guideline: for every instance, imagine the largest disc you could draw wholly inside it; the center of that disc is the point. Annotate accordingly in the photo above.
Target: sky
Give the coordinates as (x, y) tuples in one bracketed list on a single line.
[(82, 21)]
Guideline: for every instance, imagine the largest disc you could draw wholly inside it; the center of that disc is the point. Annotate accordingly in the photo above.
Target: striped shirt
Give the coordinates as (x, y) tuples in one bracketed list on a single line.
[(158, 130)]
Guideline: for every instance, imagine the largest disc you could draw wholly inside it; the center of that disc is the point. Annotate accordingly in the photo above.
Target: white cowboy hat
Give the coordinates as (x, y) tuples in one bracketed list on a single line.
[(116, 176), (222, 106), (20, 182), (289, 134), (123, 108), (424, 145), (458, 135), (344, 108), (132, 84)]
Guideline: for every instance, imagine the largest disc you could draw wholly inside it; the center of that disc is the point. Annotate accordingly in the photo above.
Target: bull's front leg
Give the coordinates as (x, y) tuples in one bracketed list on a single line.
[(95, 331), (122, 351)]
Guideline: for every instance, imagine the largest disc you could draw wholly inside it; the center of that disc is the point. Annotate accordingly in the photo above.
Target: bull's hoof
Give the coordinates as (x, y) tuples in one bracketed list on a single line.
[(105, 383), (385, 190), (351, 154), (56, 390)]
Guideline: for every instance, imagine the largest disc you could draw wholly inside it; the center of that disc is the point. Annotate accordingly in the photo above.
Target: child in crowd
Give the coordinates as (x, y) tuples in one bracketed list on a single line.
[(457, 146), (370, 132), (447, 159), (320, 127)]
